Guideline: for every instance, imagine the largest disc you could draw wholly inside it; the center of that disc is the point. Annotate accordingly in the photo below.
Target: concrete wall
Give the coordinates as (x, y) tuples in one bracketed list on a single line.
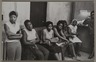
[(23, 9), (58, 11), (82, 9)]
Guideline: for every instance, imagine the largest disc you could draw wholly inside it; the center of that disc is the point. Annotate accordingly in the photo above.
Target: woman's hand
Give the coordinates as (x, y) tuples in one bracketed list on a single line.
[(65, 39), (48, 42), (20, 35), (32, 43)]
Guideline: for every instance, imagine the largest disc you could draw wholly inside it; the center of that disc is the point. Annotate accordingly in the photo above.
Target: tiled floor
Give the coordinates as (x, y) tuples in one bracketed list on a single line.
[(84, 56)]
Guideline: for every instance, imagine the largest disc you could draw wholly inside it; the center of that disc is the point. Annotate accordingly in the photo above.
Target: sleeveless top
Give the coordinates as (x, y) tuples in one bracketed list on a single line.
[(73, 28), (31, 34), (49, 34), (13, 28)]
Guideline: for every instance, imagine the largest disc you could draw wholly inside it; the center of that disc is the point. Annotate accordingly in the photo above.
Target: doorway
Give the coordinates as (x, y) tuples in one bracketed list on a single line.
[(38, 13)]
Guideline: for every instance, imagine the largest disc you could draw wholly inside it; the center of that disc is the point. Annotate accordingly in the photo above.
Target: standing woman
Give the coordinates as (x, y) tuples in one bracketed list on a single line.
[(90, 22), (12, 30)]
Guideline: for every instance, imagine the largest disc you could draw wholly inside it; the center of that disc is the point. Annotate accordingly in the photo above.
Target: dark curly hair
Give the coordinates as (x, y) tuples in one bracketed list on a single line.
[(26, 21), (47, 23), (13, 13)]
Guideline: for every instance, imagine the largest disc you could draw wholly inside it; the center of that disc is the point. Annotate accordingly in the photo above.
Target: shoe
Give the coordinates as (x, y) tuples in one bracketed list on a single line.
[(90, 57), (70, 56), (78, 54), (76, 59)]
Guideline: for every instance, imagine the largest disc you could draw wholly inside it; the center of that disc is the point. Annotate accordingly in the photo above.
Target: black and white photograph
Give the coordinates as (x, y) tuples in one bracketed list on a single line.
[(48, 31)]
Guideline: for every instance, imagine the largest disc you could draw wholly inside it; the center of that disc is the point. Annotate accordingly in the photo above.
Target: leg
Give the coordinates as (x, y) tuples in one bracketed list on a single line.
[(92, 55), (57, 56), (71, 46), (78, 45), (44, 51), (64, 49), (39, 55), (69, 53), (60, 56), (18, 52), (10, 50), (62, 52)]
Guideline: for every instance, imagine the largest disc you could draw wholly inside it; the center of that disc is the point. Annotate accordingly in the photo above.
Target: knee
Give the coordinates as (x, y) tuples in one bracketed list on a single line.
[(40, 54)]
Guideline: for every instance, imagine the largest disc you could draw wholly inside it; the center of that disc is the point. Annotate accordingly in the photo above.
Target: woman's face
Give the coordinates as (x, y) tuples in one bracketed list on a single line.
[(74, 23), (65, 24), (50, 26), (29, 26), (92, 15), (13, 18), (60, 26)]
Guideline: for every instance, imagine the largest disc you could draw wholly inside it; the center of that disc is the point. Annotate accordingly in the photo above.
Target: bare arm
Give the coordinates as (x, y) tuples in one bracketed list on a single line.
[(57, 34), (24, 39), (37, 39), (11, 35), (63, 36), (44, 37)]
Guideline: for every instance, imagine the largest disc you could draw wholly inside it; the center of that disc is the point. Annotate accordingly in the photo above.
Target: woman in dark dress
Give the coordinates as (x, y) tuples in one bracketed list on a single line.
[(62, 43), (90, 22), (49, 41)]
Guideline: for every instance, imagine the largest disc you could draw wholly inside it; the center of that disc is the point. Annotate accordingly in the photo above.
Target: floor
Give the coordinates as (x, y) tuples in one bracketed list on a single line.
[(84, 56)]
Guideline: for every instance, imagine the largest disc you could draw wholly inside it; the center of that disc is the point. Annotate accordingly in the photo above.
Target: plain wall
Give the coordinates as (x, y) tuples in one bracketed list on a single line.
[(79, 6), (58, 11), (23, 9)]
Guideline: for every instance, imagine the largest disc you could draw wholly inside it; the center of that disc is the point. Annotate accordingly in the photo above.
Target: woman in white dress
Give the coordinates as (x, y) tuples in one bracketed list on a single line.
[(73, 31)]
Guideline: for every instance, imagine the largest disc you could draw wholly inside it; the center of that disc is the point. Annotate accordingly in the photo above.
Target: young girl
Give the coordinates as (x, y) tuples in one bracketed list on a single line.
[(77, 42), (62, 39), (49, 40), (30, 38), (12, 30)]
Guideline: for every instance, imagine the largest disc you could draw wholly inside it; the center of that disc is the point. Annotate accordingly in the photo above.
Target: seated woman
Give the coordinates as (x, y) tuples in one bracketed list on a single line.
[(49, 40), (63, 42), (30, 38), (70, 48), (77, 42)]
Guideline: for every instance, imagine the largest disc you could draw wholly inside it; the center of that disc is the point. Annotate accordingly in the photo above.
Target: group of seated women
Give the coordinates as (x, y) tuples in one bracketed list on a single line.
[(55, 39)]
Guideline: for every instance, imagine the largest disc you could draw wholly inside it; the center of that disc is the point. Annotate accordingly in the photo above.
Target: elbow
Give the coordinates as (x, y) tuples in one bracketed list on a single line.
[(24, 42), (37, 41), (9, 37)]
